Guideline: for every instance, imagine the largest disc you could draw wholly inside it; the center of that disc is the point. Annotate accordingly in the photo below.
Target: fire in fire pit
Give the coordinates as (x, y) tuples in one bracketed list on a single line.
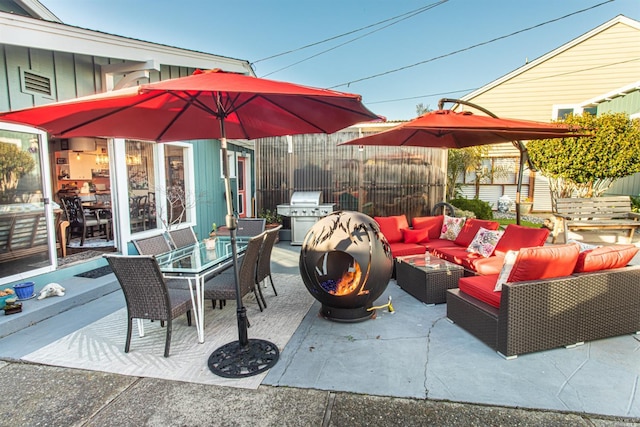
[(346, 264)]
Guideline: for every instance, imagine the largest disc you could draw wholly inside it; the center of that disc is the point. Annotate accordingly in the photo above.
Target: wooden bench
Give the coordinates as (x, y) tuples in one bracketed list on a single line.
[(596, 213)]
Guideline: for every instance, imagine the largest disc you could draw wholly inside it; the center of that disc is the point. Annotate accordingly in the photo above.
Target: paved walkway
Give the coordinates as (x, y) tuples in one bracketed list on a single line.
[(44, 395)]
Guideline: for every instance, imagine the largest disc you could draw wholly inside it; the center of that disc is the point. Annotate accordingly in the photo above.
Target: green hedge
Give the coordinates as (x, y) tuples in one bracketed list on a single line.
[(481, 208)]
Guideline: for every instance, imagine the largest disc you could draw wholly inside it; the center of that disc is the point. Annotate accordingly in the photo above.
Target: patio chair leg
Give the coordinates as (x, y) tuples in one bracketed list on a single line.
[(257, 299), (264, 303), (167, 343), (128, 343), (188, 317), (272, 285)]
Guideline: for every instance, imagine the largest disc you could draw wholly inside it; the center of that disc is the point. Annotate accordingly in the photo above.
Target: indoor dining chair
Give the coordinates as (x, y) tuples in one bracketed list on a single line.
[(147, 295)]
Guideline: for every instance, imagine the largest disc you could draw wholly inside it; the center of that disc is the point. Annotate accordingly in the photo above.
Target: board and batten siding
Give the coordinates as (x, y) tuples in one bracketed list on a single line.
[(70, 75)]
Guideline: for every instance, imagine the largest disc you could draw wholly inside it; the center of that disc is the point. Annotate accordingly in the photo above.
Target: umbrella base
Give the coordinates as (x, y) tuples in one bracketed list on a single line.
[(233, 360)]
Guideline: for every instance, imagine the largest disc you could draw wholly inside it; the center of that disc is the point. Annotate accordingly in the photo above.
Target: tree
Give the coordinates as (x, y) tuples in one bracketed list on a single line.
[(422, 109), (587, 166), (14, 164), (459, 162)]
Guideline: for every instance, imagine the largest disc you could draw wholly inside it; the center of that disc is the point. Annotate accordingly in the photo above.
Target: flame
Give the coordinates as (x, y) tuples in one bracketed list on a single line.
[(349, 281)]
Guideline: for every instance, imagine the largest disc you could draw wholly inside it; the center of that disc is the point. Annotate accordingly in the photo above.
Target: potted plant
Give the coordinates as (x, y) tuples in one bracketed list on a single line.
[(210, 242), (526, 205), (272, 220)]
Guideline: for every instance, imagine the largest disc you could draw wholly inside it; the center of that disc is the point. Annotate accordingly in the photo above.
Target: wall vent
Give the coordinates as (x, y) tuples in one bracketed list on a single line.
[(35, 83)]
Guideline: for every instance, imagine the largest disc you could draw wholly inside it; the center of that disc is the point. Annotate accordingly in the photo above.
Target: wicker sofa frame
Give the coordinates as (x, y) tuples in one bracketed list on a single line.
[(544, 314)]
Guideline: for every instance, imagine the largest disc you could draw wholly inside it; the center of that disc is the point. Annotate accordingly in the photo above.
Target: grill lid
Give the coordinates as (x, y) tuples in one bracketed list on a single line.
[(306, 198)]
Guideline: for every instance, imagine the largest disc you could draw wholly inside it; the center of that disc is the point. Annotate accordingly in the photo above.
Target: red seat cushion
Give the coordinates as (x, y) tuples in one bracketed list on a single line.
[(470, 229), (455, 254), (481, 288), (392, 226), (439, 243), (482, 265), (516, 237), (544, 262), (432, 223), (415, 236), (604, 258), (404, 249)]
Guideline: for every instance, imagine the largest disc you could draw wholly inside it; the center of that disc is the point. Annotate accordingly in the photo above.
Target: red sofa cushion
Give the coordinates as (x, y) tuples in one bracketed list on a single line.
[(482, 265), (604, 258), (415, 236), (516, 237), (392, 226), (432, 223), (439, 243), (544, 262), (456, 254), (481, 288), (470, 229), (404, 249)]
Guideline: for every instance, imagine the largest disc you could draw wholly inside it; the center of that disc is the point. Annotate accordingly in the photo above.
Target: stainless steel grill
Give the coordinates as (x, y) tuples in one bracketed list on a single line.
[(305, 209)]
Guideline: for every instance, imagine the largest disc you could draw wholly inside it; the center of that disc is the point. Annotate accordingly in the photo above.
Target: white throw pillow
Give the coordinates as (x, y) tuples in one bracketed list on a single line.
[(485, 242), (583, 246), (509, 261), (451, 227)]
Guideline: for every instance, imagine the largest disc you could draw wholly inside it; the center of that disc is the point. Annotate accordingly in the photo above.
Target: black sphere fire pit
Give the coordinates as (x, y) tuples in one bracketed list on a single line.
[(346, 264)]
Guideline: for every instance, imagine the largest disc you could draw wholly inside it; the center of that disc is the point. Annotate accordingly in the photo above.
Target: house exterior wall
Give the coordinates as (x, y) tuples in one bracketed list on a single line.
[(586, 69), (597, 62)]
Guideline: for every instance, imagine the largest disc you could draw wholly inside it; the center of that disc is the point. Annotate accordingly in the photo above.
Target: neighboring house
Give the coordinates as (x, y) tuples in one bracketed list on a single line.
[(43, 60), (598, 62)]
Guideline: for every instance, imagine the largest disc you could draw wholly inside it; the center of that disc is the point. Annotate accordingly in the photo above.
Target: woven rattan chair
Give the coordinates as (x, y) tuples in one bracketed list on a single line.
[(182, 237), (264, 260), (155, 245), (147, 295), (223, 287)]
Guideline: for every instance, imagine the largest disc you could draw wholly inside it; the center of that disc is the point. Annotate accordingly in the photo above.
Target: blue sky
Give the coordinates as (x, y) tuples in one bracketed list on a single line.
[(257, 29)]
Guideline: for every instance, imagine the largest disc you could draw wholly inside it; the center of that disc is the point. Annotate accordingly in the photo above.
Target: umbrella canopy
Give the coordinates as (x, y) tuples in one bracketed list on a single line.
[(206, 105), (193, 107), (450, 129)]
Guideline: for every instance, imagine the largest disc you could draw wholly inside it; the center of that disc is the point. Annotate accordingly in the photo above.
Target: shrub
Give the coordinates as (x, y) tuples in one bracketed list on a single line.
[(480, 208)]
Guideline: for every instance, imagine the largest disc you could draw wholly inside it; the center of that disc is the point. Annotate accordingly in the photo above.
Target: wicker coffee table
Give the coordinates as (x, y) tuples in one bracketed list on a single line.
[(427, 282)]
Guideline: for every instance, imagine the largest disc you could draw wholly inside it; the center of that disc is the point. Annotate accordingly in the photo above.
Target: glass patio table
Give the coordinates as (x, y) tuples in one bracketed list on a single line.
[(195, 264)]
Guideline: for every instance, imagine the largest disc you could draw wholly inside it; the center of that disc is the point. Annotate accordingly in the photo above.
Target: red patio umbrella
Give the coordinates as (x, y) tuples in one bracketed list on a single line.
[(450, 129), (206, 105)]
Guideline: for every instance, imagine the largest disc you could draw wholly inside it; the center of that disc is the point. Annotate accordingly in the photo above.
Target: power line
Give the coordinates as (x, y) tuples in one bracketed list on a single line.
[(511, 82), (411, 13), (348, 41), (467, 48), (396, 19)]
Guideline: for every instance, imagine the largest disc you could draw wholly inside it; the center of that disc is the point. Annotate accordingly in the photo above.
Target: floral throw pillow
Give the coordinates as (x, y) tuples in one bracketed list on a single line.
[(509, 261), (485, 242), (451, 227)]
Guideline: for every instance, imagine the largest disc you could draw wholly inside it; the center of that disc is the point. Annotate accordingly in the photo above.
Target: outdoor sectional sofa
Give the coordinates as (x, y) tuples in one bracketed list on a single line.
[(553, 296), (550, 296), (426, 235)]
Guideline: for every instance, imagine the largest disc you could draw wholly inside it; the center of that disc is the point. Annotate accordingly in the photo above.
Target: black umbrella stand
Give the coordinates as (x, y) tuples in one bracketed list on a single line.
[(245, 357)]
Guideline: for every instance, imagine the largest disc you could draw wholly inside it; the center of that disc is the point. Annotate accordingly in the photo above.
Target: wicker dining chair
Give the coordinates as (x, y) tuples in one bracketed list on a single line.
[(147, 295), (264, 260), (222, 287), (182, 237), (155, 245)]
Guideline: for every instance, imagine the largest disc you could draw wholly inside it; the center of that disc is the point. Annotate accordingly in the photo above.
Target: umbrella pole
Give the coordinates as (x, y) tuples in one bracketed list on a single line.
[(245, 357)]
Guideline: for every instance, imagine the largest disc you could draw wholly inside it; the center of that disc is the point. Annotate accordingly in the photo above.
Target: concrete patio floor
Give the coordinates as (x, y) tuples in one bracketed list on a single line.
[(413, 353)]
